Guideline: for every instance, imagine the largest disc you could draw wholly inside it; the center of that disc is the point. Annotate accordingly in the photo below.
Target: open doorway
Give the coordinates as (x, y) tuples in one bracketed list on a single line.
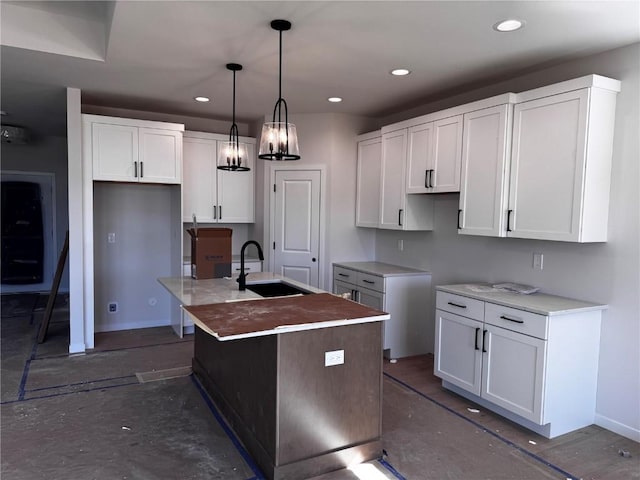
[(45, 183)]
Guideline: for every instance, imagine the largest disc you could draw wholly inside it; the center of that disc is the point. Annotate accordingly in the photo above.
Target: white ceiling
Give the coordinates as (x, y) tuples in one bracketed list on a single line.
[(158, 55)]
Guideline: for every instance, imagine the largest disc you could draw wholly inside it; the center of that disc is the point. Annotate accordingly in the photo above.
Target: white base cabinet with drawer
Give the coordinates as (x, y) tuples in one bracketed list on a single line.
[(538, 369), (402, 292)]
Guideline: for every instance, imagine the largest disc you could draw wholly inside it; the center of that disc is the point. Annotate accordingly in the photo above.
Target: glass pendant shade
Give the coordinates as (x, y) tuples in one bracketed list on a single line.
[(279, 140), (232, 155)]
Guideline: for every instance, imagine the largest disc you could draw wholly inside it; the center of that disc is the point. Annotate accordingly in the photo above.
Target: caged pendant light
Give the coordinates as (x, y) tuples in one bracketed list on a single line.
[(232, 153), (279, 140)]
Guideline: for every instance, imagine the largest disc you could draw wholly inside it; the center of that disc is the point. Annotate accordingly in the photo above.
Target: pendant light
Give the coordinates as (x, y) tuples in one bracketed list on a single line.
[(232, 153), (279, 140)]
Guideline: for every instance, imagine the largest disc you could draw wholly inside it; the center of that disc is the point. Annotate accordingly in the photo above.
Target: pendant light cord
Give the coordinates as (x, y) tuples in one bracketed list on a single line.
[(280, 79)]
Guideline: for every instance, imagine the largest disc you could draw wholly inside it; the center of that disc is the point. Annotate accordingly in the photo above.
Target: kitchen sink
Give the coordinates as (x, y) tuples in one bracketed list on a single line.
[(275, 289)]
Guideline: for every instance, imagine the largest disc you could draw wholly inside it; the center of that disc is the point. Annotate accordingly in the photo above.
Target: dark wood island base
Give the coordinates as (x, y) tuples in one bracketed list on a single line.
[(296, 417)]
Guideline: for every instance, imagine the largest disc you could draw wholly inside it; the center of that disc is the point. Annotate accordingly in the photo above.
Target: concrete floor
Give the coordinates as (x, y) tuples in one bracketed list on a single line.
[(130, 409)]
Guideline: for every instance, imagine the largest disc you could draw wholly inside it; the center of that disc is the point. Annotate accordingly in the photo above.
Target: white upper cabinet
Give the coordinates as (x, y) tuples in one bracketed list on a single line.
[(127, 150), (547, 176), (485, 167), (212, 195), (368, 180), (561, 166), (435, 150)]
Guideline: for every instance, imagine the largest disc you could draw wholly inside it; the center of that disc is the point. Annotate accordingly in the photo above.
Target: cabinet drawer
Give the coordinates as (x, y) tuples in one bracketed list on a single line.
[(344, 274), (371, 282), (248, 267), (465, 306), (532, 324)]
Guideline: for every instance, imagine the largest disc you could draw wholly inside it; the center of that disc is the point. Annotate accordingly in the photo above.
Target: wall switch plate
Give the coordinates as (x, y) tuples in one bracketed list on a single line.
[(111, 237), (112, 307), (335, 357), (538, 259)]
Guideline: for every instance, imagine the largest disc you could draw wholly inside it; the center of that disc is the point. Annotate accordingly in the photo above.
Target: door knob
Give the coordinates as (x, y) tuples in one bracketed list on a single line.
[(313, 259)]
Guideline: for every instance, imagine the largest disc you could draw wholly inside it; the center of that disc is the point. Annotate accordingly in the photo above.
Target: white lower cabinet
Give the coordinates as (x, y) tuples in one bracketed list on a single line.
[(538, 370), (402, 292)]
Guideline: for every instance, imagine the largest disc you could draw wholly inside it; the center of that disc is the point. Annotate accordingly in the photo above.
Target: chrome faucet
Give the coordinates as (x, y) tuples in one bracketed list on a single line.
[(242, 278)]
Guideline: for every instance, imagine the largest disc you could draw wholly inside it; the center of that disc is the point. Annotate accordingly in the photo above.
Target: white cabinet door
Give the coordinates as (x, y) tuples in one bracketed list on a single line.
[(392, 198), (458, 351), (419, 162), (371, 298), (444, 174), (368, 182), (199, 188), (513, 372), (548, 167), (485, 167), (114, 150), (236, 191), (160, 156)]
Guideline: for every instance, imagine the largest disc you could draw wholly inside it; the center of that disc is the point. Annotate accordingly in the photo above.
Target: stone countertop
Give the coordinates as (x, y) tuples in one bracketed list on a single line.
[(381, 269), (244, 319), (539, 303), (189, 291)]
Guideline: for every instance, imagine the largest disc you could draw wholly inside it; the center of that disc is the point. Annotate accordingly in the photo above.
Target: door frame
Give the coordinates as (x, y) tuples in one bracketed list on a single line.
[(269, 211)]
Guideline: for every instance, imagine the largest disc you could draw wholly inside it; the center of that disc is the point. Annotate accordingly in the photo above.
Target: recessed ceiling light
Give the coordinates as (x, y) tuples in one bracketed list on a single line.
[(334, 99), (399, 72), (508, 25), (201, 99)]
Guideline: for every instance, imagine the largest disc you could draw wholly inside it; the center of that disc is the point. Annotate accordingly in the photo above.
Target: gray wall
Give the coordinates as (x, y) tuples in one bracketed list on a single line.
[(49, 155), (606, 272)]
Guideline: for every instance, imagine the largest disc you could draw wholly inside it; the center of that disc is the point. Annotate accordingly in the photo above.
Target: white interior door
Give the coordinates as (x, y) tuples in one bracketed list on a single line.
[(296, 228)]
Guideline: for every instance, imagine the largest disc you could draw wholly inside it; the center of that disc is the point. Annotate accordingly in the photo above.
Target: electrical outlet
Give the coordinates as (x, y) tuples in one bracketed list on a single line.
[(538, 261), (400, 245), (335, 357), (112, 307), (111, 237)]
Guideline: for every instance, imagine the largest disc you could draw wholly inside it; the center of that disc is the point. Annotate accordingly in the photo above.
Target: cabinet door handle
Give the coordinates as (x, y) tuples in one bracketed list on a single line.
[(400, 217), (344, 275), (220, 212), (515, 320), (368, 281), (459, 212), (141, 169), (426, 179), (135, 169), (431, 178), (484, 334), (509, 212), (457, 305), (477, 332), (215, 212)]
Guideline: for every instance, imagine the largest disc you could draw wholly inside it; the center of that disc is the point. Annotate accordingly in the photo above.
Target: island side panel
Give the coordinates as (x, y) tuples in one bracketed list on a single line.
[(240, 376), (325, 410)]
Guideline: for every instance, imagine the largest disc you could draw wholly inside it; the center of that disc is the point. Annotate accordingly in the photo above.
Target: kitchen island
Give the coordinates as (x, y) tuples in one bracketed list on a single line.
[(298, 378)]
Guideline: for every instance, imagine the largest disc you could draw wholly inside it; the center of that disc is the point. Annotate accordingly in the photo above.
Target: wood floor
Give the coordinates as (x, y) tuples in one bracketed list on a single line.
[(130, 408)]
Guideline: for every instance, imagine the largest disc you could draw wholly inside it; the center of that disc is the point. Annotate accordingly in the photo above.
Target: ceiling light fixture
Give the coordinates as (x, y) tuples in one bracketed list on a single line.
[(509, 25), (334, 99), (201, 99), (400, 72), (232, 152), (279, 140)]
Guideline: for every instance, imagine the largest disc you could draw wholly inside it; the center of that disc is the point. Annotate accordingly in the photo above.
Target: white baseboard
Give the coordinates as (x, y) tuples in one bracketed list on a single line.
[(617, 427), (115, 327)]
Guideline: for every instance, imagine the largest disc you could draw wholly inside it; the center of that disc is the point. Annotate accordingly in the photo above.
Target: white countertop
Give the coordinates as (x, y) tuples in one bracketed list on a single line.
[(381, 269), (540, 303), (219, 290)]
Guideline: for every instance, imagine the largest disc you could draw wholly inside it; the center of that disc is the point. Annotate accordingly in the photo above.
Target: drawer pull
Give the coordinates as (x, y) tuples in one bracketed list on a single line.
[(477, 331), (368, 281), (457, 305), (246, 269), (484, 335), (344, 275), (515, 320)]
